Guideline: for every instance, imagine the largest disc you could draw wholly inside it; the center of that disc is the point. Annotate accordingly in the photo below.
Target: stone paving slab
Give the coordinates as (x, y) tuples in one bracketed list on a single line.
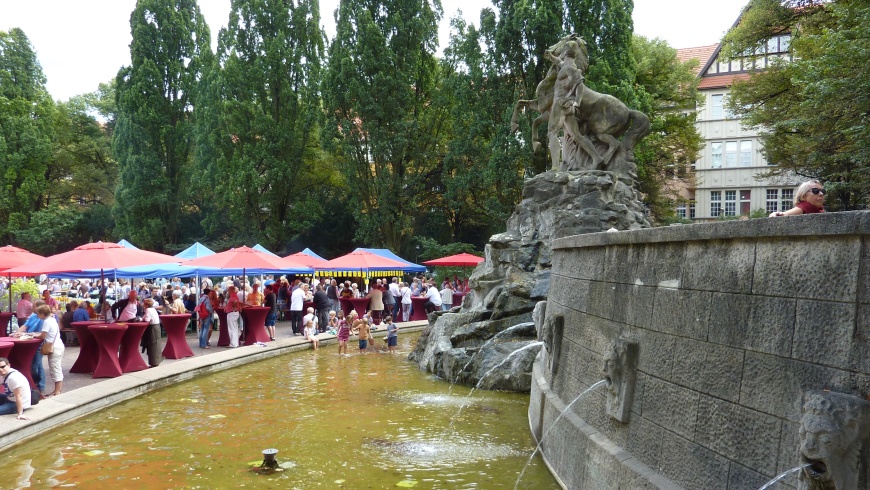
[(83, 394)]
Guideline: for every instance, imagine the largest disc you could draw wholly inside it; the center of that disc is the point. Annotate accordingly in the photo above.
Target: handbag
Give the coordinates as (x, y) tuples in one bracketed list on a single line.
[(47, 348)]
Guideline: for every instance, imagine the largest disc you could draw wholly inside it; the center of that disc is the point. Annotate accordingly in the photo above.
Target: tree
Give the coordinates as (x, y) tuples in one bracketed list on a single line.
[(667, 87), (27, 115), (268, 167), (378, 91), (153, 136), (811, 109)]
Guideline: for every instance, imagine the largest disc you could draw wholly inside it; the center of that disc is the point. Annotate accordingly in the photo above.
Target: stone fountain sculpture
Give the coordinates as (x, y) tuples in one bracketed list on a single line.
[(620, 374), (590, 189), (834, 436)]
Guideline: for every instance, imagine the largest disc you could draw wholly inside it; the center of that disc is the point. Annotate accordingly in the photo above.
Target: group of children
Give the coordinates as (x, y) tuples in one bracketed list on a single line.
[(353, 325)]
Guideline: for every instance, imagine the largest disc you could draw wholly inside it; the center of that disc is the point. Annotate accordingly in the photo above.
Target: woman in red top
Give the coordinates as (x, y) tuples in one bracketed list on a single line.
[(808, 199)]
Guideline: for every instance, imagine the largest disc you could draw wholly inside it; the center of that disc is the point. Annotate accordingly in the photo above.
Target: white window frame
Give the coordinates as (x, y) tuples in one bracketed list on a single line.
[(730, 154), (730, 203), (715, 203), (772, 200), (746, 153), (716, 158)]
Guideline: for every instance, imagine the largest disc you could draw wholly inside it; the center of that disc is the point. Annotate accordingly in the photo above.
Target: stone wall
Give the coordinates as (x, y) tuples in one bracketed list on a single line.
[(735, 322)]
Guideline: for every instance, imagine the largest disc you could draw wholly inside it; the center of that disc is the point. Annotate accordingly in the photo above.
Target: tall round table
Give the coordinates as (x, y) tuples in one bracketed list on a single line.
[(5, 348), (255, 324), (306, 305), (361, 305), (457, 298), (346, 305), (108, 339), (224, 337), (419, 312), (129, 356), (21, 355), (88, 350), (5, 320), (176, 343)]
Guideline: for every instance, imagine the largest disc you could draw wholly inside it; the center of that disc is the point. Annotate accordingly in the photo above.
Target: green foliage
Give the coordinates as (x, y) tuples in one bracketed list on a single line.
[(18, 287), (385, 132), (27, 115), (811, 110), (153, 136), (267, 163), (430, 249)]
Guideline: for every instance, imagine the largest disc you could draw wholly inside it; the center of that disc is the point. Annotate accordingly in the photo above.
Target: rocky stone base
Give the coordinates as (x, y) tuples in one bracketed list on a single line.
[(461, 345)]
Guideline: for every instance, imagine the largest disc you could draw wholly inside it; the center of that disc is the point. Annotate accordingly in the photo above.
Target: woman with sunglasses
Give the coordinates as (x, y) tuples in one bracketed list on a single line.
[(808, 199)]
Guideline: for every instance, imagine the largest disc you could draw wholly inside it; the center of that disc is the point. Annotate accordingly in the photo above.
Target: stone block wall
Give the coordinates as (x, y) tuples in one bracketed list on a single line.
[(735, 322)]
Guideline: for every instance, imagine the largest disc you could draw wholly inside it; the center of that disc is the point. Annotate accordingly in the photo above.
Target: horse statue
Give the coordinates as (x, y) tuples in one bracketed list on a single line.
[(543, 101)]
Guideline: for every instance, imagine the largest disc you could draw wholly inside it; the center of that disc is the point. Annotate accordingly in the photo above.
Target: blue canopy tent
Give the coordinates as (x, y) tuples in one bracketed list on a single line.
[(124, 243), (308, 251), (194, 251), (261, 248), (383, 252)]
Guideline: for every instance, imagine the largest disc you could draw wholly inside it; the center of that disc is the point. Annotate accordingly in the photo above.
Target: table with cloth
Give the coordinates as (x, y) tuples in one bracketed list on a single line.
[(129, 356), (255, 324), (88, 351), (224, 337), (107, 337), (21, 355), (176, 343), (418, 310)]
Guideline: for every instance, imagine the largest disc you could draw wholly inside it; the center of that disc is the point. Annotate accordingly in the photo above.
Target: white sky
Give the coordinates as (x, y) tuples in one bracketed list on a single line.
[(81, 43)]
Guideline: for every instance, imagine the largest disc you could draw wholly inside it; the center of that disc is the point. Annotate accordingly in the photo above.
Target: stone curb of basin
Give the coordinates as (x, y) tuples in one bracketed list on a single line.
[(68, 406)]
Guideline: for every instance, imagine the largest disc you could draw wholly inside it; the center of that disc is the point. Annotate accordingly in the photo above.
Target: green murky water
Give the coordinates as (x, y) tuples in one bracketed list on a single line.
[(364, 421)]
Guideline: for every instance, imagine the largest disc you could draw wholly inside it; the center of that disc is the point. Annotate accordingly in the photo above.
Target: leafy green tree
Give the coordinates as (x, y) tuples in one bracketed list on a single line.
[(667, 88), (378, 91), (153, 136), (811, 109), (27, 114), (268, 166)]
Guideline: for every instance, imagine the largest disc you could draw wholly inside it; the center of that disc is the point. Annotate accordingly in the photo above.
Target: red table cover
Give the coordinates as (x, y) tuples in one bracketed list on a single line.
[(108, 340), (255, 324), (129, 357), (5, 348), (361, 305), (5, 319), (419, 313), (346, 305), (224, 338), (88, 350), (176, 343), (21, 355), (457, 299)]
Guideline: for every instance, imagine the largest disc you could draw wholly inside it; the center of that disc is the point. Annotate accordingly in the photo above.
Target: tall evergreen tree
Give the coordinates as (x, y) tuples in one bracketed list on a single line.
[(378, 92), (27, 115), (153, 138), (268, 167)]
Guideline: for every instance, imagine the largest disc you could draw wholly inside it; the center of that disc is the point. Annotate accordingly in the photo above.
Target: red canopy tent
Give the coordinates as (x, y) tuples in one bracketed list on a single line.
[(458, 260), (97, 255), (13, 257), (363, 264), (305, 259)]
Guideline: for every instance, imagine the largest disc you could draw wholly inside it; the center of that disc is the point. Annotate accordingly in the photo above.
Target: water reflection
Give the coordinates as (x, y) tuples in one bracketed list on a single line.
[(366, 421)]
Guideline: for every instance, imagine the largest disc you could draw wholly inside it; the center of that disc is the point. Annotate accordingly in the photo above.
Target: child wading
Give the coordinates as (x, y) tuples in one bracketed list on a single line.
[(392, 334)]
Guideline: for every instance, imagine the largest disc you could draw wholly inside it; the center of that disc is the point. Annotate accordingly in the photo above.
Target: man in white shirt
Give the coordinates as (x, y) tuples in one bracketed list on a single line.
[(297, 298), (16, 398), (397, 297), (433, 299)]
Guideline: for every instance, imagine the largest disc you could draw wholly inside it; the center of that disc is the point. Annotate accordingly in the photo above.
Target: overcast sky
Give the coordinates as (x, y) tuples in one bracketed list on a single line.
[(81, 43)]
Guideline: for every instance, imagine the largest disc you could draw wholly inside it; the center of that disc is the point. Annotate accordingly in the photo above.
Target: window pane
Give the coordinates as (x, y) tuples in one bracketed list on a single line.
[(784, 42), (716, 111), (681, 210), (786, 199), (730, 153), (715, 203), (746, 153), (716, 160), (772, 202), (773, 45)]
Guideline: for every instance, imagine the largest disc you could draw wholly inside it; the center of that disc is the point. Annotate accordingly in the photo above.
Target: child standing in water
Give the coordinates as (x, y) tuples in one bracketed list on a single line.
[(392, 334), (362, 328), (344, 331)]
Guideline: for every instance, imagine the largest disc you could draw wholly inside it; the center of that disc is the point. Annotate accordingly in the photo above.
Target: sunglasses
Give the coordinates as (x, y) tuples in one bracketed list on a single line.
[(4, 366), (817, 191)]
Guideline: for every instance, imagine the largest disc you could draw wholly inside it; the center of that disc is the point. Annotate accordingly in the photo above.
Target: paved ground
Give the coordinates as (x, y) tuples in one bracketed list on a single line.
[(83, 394)]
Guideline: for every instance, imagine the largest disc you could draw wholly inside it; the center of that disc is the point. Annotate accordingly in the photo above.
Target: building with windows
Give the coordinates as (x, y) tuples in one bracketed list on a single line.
[(729, 172)]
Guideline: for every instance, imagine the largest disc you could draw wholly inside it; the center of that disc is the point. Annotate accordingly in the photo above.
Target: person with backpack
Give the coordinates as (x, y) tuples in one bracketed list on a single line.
[(204, 311), (16, 398)]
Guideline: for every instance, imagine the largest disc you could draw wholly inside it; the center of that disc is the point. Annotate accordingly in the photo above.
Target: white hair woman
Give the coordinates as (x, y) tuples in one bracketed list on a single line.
[(809, 198)]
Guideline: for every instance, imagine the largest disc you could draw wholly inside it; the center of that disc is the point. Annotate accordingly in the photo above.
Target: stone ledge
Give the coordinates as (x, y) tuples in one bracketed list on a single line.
[(828, 224)]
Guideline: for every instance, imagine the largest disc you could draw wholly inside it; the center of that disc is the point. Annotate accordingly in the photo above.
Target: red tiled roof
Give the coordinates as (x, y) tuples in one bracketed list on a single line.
[(721, 81), (700, 53)]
